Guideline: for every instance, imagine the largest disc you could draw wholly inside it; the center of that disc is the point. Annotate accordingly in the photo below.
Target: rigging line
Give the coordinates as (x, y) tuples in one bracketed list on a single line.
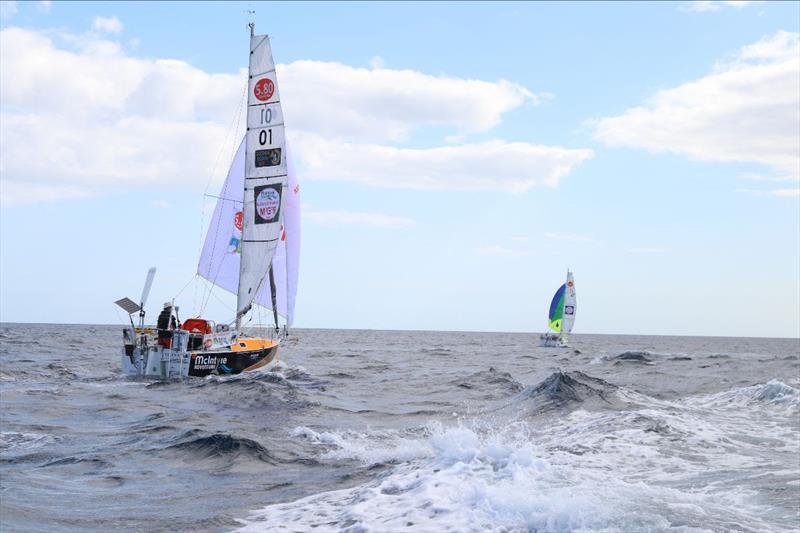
[(220, 300), (224, 199), (232, 128), (184, 287), (219, 220)]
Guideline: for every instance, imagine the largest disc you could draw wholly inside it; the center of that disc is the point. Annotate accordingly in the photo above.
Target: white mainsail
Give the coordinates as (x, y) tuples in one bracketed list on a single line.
[(570, 304), (265, 174), (244, 238)]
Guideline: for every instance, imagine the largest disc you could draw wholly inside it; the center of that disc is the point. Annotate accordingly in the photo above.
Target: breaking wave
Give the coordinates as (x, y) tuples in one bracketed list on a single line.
[(220, 444), (462, 479)]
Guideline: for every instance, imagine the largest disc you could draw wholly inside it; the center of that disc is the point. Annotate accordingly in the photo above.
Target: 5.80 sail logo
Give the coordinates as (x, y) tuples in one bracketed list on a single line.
[(264, 89)]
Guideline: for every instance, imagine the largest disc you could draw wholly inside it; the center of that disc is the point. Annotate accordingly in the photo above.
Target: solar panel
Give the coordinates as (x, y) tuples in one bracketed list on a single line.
[(128, 305)]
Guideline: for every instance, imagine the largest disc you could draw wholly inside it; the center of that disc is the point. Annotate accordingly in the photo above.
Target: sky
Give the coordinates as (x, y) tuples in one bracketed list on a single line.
[(454, 160)]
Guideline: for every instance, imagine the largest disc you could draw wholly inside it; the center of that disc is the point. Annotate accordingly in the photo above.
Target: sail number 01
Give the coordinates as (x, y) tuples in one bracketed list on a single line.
[(266, 118)]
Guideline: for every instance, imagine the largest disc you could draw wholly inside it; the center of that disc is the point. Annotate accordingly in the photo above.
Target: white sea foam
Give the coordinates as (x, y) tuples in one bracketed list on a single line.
[(17, 441), (464, 479), (376, 447)]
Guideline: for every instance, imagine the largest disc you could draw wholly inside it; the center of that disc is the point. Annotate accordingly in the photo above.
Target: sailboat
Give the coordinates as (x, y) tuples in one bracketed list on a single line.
[(561, 316), (251, 250)]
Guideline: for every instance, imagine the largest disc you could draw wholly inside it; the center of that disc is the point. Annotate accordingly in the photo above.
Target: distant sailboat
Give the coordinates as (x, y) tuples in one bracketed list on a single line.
[(561, 316), (251, 249)]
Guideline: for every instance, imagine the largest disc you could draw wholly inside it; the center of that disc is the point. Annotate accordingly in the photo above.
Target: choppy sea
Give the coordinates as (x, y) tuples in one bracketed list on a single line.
[(405, 431)]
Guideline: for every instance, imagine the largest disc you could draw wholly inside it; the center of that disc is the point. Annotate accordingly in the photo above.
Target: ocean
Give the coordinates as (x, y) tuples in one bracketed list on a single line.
[(404, 431)]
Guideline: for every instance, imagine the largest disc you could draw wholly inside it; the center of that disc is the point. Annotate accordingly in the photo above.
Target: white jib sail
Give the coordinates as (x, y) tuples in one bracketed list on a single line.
[(265, 174), (220, 259), (570, 305)]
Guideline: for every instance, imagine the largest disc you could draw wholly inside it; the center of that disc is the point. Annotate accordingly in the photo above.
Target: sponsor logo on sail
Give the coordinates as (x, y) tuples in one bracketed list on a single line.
[(569, 310), (264, 89), (268, 203), (235, 244)]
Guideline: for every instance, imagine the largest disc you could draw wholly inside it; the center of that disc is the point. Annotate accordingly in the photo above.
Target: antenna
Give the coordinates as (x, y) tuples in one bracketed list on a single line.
[(148, 282), (252, 25)]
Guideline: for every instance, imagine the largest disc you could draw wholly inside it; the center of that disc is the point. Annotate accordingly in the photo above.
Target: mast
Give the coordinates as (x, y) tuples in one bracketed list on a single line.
[(273, 291), (265, 174)]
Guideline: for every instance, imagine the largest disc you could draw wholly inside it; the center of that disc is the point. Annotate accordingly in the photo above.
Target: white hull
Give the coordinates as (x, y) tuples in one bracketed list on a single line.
[(224, 353), (553, 341), (156, 362)]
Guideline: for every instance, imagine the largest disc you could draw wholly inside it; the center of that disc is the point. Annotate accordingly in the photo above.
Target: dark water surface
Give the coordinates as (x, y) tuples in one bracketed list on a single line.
[(393, 431)]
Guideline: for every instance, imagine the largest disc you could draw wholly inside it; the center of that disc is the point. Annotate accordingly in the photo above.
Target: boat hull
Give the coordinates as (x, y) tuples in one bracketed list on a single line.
[(162, 363), (553, 341), (202, 364)]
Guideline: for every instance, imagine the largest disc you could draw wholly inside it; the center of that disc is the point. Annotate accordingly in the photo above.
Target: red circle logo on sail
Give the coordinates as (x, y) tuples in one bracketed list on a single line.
[(264, 89), (238, 218), (570, 284)]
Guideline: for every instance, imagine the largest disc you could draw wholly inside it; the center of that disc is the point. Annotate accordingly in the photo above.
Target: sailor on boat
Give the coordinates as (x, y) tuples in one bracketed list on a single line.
[(166, 324)]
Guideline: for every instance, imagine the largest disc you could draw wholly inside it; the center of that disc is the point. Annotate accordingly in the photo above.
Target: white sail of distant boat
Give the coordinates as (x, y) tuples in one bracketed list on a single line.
[(561, 315)]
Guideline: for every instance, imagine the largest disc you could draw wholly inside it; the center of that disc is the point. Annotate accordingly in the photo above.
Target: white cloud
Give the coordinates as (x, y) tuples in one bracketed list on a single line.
[(357, 217), (501, 165), (786, 193), (344, 102), (781, 193), (499, 251), (761, 177), (569, 237), (118, 122), (14, 194), (8, 8), (107, 24), (377, 62), (716, 5), (745, 111), (43, 6), (649, 250)]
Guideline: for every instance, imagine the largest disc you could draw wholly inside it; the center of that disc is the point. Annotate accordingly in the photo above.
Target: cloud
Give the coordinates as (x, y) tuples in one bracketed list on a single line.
[(118, 122), (377, 62), (569, 237), (649, 250), (107, 24), (716, 5), (499, 251), (14, 194), (761, 177), (380, 104), (43, 6), (492, 165), (744, 111), (357, 217), (8, 8), (781, 193)]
